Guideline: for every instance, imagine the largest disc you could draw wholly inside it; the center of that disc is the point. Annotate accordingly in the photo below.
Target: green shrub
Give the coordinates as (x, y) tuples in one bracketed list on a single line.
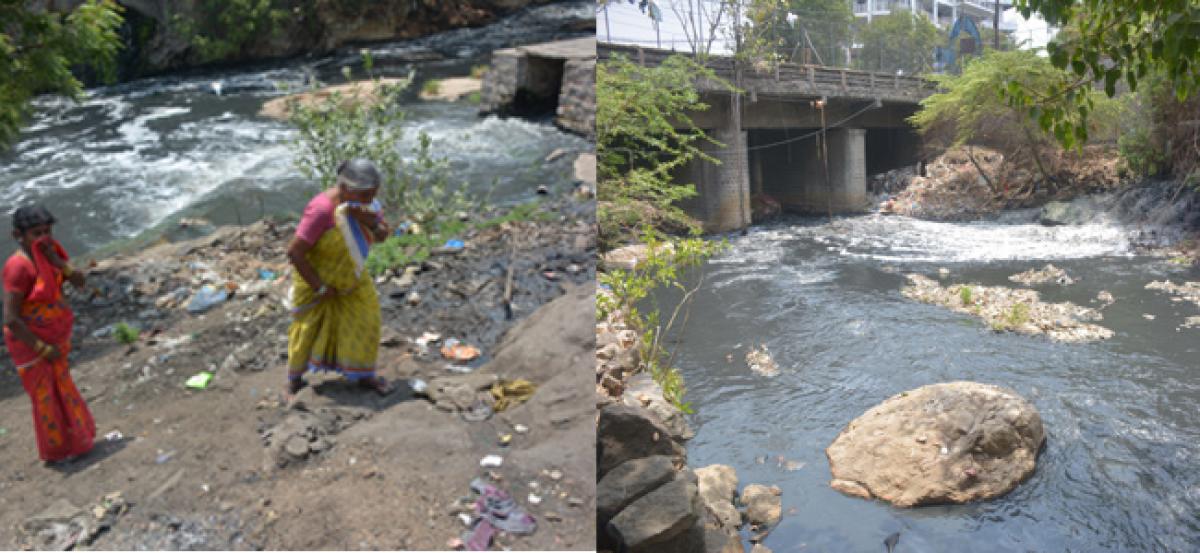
[(628, 289), (125, 334), (431, 87), (479, 71), (964, 294), (420, 189)]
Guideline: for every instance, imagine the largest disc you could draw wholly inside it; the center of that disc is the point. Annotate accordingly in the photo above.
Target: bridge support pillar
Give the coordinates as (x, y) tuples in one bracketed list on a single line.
[(723, 203), (848, 169)]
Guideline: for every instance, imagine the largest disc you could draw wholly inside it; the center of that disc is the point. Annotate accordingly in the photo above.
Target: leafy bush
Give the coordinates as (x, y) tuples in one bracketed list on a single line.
[(125, 334), (38, 48), (643, 135), (431, 87), (964, 294), (478, 71), (225, 28), (662, 268), (420, 188)]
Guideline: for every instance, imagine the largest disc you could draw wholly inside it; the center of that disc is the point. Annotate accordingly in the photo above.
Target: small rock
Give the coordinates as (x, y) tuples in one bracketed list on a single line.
[(764, 506), (297, 447)]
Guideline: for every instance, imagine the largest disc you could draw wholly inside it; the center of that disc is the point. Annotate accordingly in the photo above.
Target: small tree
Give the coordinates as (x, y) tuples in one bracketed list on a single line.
[(369, 125), (643, 135), (899, 41), (971, 108), (38, 48)]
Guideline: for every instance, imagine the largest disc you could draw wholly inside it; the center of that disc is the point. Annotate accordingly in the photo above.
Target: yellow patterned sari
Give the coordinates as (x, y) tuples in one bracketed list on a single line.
[(339, 333)]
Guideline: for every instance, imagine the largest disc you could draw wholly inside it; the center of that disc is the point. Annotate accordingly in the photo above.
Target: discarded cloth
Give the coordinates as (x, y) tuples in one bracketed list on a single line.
[(498, 508), (508, 393)]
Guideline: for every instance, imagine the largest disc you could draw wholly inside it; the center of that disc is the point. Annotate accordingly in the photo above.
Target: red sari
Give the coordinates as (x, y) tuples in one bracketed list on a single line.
[(61, 418)]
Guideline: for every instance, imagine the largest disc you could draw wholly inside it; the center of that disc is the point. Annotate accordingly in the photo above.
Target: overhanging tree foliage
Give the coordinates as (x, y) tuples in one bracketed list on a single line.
[(1109, 41), (968, 109), (39, 47), (643, 135)]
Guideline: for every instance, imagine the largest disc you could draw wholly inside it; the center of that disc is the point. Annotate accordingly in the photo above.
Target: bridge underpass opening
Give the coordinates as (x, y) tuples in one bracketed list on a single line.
[(786, 164), (892, 148), (538, 92)]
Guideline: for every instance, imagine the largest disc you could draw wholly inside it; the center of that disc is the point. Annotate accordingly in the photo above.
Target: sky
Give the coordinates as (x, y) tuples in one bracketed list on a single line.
[(625, 24)]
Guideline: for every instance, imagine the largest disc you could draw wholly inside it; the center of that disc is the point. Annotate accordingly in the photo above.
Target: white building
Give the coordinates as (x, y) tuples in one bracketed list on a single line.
[(942, 13)]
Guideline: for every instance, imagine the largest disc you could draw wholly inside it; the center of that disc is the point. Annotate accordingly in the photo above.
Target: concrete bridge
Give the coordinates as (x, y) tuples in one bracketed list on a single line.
[(769, 136)]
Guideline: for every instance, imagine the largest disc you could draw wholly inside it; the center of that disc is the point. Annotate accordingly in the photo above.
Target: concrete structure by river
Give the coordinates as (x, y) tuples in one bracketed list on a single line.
[(768, 136)]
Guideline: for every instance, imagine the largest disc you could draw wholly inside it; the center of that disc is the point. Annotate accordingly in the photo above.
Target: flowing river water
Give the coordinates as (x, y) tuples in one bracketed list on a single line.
[(132, 159), (1121, 468)]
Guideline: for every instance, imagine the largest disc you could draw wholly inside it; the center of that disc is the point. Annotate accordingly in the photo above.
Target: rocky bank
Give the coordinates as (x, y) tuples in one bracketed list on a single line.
[(647, 498)]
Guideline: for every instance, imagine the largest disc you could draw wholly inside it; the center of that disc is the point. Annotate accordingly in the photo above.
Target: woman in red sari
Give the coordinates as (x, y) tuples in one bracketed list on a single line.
[(37, 330)]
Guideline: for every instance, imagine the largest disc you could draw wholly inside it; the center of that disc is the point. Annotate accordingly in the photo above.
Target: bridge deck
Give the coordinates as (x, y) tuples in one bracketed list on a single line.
[(790, 80)]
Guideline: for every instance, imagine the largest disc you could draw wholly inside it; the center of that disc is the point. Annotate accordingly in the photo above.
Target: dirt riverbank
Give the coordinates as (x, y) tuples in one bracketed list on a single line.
[(218, 468)]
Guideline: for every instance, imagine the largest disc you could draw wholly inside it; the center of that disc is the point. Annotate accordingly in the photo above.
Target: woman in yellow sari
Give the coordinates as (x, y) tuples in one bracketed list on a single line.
[(335, 309)]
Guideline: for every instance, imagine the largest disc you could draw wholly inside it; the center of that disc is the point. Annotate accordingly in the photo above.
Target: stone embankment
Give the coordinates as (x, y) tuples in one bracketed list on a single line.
[(647, 498)]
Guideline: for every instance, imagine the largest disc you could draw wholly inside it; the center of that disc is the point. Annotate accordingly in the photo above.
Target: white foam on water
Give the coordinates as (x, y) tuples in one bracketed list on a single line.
[(901, 239)]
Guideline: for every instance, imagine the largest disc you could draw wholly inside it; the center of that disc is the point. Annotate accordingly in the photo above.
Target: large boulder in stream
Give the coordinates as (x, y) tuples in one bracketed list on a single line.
[(943, 443)]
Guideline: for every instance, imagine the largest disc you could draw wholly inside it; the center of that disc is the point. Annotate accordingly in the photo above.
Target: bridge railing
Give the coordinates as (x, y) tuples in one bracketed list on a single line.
[(804, 79)]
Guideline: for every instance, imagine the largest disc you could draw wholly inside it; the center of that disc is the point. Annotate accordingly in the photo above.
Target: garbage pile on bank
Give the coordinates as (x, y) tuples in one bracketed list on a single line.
[(953, 187)]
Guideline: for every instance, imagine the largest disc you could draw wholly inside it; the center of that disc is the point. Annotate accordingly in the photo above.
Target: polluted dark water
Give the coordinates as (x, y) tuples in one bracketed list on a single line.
[(1120, 467), (135, 158)]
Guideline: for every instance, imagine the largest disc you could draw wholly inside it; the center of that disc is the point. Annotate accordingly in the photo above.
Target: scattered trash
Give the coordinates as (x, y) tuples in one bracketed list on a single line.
[(418, 386), (1045, 274), (535, 499), (459, 352), (477, 412), (508, 393), (114, 436), (206, 298), (459, 369), (552, 276), (164, 457), (760, 361), (200, 380), (555, 475), (428, 338), (520, 428), (497, 507), (267, 274), (505, 440), (466, 519), (491, 461), (1148, 316), (543, 190), (452, 245)]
